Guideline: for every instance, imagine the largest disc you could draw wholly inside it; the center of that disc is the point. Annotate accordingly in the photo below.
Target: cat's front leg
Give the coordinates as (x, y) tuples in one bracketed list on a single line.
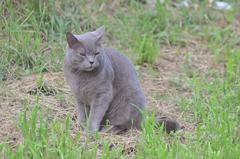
[(98, 110), (82, 113)]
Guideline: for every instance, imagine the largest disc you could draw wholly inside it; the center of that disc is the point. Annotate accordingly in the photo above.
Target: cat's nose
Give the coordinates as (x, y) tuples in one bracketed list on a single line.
[(91, 62)]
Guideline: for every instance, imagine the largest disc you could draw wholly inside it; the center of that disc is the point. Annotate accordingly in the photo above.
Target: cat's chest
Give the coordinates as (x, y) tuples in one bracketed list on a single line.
[(88, 86), (89, 89)]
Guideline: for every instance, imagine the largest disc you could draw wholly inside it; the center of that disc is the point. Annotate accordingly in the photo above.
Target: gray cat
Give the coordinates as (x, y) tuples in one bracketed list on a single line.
[(104, 83)]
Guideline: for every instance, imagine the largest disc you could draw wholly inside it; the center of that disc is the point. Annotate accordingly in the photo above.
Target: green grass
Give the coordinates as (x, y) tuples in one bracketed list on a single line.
[(42, 140), (33, 42)]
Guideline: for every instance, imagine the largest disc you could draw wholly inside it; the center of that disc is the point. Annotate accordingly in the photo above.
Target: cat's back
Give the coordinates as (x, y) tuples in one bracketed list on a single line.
[(126, 85), (120, 62), (124, 71)]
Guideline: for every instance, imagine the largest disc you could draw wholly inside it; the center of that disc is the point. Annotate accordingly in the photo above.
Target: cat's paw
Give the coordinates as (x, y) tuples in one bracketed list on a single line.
[(113, 130), (90, 129)]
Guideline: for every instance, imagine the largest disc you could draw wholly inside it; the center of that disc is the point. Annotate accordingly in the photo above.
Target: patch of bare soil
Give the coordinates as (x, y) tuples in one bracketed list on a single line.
[(17, 94)]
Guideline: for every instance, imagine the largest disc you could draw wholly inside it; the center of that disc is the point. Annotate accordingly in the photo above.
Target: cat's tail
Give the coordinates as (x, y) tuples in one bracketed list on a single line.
[(169, 125)]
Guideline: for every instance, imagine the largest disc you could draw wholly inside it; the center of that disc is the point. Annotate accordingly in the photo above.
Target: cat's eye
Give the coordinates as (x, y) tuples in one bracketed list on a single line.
[(97, 53), (82, 54)]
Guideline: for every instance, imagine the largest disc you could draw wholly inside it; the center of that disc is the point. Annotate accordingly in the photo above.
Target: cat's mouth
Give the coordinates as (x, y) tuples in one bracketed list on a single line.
[(89, 68)]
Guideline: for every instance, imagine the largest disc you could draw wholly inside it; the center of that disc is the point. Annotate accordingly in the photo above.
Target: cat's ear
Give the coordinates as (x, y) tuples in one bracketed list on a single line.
[(99, 33), (71, 40)]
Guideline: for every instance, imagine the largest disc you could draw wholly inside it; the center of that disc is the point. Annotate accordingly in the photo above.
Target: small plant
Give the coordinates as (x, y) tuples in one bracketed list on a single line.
[(43, 88), (147, 50)]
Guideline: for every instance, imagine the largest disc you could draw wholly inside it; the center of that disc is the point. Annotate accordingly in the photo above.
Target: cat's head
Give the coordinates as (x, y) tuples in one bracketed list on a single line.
[(85, 51)]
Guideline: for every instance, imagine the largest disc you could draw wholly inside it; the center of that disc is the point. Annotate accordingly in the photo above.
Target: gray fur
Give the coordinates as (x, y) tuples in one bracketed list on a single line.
[(108, 89)]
